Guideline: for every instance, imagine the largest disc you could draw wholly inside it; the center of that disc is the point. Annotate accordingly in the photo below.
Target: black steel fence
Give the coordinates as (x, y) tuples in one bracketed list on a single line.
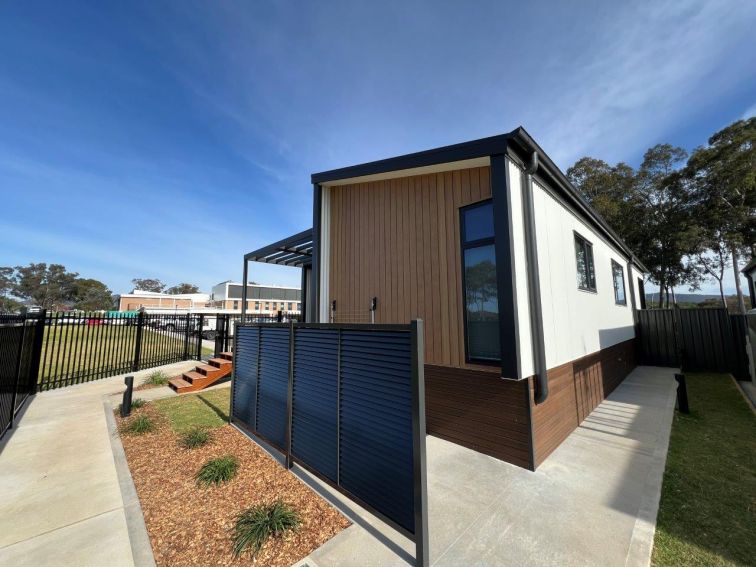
[(695, 339), (347, 403), (20, 345), (80, 347)]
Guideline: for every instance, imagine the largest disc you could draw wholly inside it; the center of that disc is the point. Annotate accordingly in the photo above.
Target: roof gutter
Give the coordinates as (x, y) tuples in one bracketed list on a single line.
[(534, 283)]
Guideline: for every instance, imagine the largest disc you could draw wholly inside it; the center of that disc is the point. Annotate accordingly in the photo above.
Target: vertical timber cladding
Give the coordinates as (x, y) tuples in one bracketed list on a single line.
[(398, 240)]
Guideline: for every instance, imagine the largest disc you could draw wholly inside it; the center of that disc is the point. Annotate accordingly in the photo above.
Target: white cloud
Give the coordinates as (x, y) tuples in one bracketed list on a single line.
[(751, 112)]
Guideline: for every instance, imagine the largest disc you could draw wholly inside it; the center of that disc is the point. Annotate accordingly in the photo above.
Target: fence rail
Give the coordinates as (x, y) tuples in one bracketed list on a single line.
[(345, 401)]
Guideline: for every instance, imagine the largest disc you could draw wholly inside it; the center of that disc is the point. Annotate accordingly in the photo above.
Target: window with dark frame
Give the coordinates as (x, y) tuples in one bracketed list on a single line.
[(479, 283), (586, 274), (618, 277)]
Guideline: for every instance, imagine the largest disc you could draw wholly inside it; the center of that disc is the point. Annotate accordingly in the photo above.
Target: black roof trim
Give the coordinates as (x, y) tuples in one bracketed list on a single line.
[(295, 250), (749, 266), (517, 144), (446, 154)]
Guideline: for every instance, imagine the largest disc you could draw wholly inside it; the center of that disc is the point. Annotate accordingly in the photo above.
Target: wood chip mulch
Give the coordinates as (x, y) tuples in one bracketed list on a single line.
[(192, 525)]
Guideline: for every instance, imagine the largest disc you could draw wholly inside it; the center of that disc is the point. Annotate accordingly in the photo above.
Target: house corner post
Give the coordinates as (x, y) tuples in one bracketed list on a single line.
[(505, 268), (245, 275), (422, 548)]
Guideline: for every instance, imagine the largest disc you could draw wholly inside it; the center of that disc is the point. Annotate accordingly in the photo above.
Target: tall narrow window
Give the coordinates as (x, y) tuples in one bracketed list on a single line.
[(479, 282), (586, 275), (618, 276)]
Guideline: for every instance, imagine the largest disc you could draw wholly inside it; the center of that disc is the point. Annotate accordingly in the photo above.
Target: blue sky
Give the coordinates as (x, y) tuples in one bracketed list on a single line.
[(166, 139)]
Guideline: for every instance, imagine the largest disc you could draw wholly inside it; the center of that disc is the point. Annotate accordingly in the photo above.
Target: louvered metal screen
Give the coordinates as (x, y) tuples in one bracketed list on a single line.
[(347, 403)]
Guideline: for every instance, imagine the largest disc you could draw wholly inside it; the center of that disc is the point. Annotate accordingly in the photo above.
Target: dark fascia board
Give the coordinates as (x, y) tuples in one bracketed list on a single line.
[(288, 242), (522, 144), (446, 154)]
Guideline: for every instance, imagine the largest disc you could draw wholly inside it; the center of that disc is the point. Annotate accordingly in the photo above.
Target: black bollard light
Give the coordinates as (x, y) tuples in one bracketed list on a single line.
[(682, 394), (126, 402)]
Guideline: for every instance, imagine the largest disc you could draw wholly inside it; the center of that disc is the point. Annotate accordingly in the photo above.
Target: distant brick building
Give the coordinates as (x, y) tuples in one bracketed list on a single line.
[(138, 299), (263, 299)]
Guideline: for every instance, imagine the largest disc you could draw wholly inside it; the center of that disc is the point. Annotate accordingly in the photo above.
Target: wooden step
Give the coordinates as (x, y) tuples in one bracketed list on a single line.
[(218, 362), (207, 369), (179, 385), (227, 355), (193, 377)]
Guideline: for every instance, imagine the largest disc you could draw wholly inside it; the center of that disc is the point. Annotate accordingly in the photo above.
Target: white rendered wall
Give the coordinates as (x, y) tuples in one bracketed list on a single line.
[(576, 323)]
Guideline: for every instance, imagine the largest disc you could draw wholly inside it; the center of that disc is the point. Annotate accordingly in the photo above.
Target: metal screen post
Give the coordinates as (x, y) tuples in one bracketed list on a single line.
[(138, 346), (290, 394), (418, 444), (338, 409), (233, 375)]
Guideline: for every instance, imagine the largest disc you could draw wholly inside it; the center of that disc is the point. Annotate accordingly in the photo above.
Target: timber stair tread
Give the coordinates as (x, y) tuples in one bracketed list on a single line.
[(203, 375)]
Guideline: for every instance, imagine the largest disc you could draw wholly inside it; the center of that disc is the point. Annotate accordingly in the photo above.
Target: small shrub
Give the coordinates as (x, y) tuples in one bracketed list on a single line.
[(195, 437), (138, 424), (157, 378), (255, 525), (216, 471)]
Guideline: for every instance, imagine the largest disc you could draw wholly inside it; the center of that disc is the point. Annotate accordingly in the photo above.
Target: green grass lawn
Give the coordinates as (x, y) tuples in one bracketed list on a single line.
[(79, 351), (206, 409), (707, 514)]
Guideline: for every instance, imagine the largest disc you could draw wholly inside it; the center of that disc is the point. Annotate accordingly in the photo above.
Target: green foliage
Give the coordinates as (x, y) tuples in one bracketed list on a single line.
[(148, 284), (157, 378), (138, 424), (195, 437), (216, 471), (182, 288), (255, 525), (91, 295), (44, 286), (706, 513)]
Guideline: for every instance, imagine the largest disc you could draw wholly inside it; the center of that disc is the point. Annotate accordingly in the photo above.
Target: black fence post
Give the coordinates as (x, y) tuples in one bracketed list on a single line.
[(19, 356), (418, 444), (220, 333), (187, 323), (138, 341), (200, 338), (290, 394), (36, 354), (279, 316)]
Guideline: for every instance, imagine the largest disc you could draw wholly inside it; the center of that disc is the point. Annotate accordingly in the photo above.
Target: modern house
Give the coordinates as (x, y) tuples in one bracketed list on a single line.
[(261, 299), (528, 297), (160, 302)]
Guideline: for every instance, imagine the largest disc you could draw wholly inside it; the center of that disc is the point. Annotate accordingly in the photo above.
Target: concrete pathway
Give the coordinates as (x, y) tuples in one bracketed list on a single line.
[(593, 502), (61, 499)]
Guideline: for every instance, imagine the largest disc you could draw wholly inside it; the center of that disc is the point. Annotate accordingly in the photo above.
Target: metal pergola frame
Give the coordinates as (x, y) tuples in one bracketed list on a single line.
[(294, 251)]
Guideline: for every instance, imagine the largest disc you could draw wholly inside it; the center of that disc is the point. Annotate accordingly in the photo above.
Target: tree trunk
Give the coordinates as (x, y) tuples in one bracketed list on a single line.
[(721, 293), (736, 270), (674, 299), (661, 295)]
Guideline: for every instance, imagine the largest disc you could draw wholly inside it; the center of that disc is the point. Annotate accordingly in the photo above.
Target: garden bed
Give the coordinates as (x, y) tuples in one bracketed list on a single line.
[(193, 525)]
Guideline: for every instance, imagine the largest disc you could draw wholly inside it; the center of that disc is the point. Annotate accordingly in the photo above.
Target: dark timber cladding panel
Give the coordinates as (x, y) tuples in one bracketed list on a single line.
[(376, 422), (245, 374), (479, 410), (398, 240), (273, 384), (315, 402), (575, 389)]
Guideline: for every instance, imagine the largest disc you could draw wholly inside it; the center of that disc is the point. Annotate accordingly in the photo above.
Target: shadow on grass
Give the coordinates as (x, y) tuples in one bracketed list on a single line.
[(222, 414)]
